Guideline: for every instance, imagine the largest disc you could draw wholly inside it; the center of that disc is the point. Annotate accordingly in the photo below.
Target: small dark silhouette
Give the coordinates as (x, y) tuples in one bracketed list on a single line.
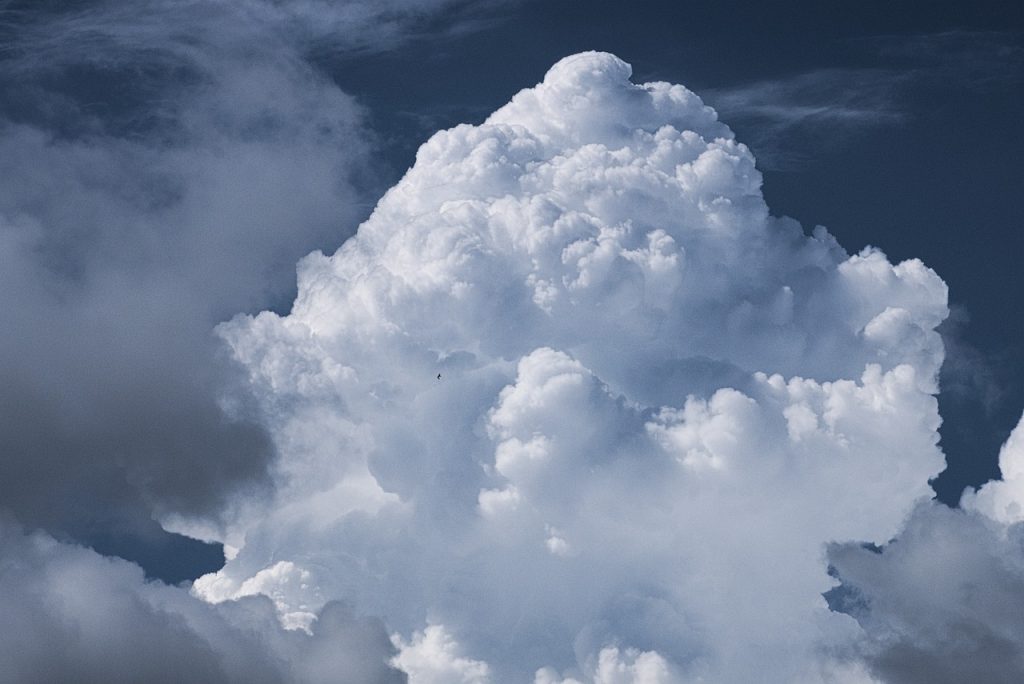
[(438, 376)]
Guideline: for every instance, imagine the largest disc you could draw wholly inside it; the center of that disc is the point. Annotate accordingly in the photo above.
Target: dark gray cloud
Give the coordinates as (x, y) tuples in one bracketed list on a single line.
[(165, 164), (126, 241), (943, 603), (73, 615)]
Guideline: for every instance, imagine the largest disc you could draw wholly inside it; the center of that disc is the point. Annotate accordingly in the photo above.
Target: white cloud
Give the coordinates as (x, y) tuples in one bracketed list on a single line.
[(285, 583), (432, 657), (1003, 500), (615, 667), (657, 403)]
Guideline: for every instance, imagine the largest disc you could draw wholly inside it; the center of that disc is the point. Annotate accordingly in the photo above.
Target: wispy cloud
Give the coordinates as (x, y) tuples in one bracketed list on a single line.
[(784, 119), (820, 107)]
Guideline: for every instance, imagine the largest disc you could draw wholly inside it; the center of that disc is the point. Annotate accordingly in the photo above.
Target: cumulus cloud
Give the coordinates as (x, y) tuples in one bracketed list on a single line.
[(1003, 500), (432, 657), (165, 164), (944, 602), (657, 404)]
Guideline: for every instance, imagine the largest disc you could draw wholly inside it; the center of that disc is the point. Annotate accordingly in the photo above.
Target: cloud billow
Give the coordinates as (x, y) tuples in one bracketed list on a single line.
[(657, 403)]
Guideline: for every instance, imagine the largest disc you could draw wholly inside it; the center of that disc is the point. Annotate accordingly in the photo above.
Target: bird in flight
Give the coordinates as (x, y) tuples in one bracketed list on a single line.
[(438, 376)]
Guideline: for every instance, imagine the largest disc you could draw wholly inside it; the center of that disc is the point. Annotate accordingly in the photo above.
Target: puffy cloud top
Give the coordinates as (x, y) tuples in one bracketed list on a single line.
[(573, 405), (1003, 500)]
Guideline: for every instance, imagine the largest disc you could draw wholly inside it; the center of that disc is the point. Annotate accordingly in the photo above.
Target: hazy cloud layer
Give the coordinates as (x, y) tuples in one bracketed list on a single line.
[(165, 163), (73, 615), (657, 404)]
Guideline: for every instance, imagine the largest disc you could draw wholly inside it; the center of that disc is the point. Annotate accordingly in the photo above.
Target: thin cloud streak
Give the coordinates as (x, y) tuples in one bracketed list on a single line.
[(787, 118)]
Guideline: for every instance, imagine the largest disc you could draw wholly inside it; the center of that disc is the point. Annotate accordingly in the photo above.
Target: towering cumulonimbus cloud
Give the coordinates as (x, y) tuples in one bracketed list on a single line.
[(573, 406)]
